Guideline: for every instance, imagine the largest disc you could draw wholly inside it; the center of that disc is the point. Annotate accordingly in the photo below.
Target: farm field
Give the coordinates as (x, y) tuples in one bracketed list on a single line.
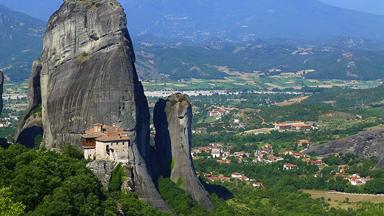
[(344, 200), (256, 83)]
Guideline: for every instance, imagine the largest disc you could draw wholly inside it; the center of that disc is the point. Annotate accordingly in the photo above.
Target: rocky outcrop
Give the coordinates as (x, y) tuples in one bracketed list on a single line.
[(1, 90), (102, 170), (31, 125), (3, 142), (86, 75), (34, 94), (365, 145), (173, 123)]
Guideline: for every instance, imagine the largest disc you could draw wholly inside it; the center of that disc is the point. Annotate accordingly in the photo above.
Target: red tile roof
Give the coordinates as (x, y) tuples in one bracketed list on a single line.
[(106, 133)]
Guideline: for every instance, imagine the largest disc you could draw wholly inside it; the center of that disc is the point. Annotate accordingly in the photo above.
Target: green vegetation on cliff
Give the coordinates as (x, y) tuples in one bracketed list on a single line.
[(181, 202)]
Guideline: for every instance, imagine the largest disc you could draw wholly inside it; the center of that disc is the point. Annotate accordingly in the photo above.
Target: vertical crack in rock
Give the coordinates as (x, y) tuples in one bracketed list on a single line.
[(1, 90), (31, 124), (173, 123)]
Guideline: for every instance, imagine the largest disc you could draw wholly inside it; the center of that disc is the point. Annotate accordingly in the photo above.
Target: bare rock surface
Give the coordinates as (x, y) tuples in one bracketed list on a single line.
[(173, 122), (86, 75), (102, 170), (33, 118), (1, 90), (365, 145)]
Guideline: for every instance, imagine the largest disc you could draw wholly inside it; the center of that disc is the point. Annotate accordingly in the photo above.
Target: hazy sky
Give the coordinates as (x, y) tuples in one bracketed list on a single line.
[(42, 9)]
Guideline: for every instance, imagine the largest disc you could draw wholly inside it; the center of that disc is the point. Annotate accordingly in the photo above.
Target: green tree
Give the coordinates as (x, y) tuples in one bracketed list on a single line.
[(375, 186), (8, 207), (116, 178), (78, 195), (133, 207), (72, 152)]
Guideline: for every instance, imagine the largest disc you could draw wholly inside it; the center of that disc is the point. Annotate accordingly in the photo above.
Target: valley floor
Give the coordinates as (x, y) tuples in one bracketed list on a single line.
[(249, 143), (345, 200)]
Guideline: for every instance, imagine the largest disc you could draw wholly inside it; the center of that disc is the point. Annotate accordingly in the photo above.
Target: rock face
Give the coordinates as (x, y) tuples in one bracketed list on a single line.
[(31, 125), (3, 141), (34, 94), (173, 123), (102, 170), (1, 90), (365, 145), (86, 75)]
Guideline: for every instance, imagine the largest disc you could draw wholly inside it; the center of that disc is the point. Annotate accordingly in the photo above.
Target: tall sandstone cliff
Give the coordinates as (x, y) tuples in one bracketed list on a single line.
[(3, 142), (173, 123), (31, 125), (1, 90), (86, 75)]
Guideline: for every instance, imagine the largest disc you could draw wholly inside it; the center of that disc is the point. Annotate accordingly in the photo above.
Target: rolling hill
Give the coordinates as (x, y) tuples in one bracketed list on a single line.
[(215, 60)]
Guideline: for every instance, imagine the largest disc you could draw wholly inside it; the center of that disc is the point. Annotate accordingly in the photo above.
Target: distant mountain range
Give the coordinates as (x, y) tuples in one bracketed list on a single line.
[(347, 59), (249, 19), (20, 43), (42, 9), (239, 20), (183, 39)]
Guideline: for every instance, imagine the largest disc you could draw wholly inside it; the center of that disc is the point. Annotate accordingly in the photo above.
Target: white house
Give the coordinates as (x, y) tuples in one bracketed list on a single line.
[(356, 180), (289, 166), (216, 152)]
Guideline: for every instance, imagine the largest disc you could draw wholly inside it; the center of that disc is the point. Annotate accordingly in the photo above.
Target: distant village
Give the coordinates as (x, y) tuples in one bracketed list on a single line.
[(218, 112), (15, 103), (265, 155), (10, 117), (7, 121)]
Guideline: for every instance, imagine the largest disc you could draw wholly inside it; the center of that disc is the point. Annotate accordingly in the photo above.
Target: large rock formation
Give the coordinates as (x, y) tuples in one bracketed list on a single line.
[(365, 145), (31, 125), (86, 75), (1, 90), (3, 142), (173, 123)]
